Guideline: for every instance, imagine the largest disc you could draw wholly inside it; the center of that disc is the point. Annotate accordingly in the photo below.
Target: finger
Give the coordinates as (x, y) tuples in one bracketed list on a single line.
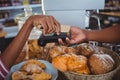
[(60, 41), (72, 42), (37, 22), (53, 24), (44, 27), (49, 24), (57, 26), (67, 40), (34, 23)]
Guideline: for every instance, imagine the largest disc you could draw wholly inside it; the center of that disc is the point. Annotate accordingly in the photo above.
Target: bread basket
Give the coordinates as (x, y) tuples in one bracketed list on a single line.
[(106, 76)]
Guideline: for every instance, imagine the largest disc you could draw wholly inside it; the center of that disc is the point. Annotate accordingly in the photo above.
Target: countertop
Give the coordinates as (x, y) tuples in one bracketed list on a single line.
[(115, 14)]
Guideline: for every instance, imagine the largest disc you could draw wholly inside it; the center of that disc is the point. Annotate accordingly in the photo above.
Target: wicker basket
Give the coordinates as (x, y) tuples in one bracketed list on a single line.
[(106, 76)]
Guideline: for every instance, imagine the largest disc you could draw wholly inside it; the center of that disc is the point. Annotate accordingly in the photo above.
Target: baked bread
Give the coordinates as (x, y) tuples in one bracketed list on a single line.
[(60, 62), (71, 62), (70, 50), (42, 76), (19, 75), (31, 70), (101, 63), (34, 50), (56, 51), (33, 66), (60, 50), (85, 49), (78, 64)]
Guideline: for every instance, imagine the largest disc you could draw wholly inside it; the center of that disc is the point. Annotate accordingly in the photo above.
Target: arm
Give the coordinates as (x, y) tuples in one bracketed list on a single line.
[(12, 52), (78, 35), (111, 35)]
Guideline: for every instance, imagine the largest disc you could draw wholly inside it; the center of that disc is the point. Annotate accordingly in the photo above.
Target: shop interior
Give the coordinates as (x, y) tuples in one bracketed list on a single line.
[(105, 15), (99, 16)]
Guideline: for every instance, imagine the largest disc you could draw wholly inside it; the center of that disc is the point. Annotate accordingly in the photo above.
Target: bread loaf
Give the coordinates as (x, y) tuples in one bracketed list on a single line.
[(101, 63)]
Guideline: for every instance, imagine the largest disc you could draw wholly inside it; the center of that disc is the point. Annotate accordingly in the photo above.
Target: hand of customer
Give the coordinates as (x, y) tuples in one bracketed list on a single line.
[(48, 23)]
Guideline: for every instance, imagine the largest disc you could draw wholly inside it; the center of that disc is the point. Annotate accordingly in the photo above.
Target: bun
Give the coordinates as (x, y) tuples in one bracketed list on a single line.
[(78, 64), (33, 66), (101, 63), (71, 62), (34, 50), (56, 51), (18, 75), (85, 49), (60, 62), (60, 50), (42, 76), (82, 59), (31, 70)]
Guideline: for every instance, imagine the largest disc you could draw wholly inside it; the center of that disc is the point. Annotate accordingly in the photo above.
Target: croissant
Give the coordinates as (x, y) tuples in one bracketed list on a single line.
[(60, 62), (71, 62), (33, 66), (78, 64)]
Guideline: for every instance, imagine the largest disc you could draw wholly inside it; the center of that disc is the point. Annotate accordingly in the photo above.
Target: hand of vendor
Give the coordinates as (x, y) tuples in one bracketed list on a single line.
[(77, 36), (48, 23), (108, 35)]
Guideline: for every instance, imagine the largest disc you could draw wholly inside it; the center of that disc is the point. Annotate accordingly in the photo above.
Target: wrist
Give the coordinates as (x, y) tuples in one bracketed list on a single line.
[(29, 22), (86, 35), (91, 35)]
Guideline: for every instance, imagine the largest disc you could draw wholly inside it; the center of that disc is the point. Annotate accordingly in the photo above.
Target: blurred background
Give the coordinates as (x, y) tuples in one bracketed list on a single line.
[(94, 18)]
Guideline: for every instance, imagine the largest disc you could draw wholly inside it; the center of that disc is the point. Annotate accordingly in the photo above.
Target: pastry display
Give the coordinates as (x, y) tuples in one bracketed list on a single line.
[(31, 70), (82, 59), (101, 63)]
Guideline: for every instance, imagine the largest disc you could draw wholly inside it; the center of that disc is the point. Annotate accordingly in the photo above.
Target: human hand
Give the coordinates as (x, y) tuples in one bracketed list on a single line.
[(48, 23), (77, 36)]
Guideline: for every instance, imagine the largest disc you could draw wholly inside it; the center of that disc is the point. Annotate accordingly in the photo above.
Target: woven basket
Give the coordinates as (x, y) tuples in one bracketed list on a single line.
[(106, 76)]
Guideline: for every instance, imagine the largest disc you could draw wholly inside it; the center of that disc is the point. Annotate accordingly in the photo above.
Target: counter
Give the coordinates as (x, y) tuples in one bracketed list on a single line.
[(114, 14)]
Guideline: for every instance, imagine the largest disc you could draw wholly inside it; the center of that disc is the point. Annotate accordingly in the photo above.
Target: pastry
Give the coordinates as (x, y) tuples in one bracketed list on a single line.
[(60, 50), (101, 63), (42, 76), (19, 75), (31, 70), (85, 49), (71, 62), (33, 66), (60, 62), (78, 64)]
